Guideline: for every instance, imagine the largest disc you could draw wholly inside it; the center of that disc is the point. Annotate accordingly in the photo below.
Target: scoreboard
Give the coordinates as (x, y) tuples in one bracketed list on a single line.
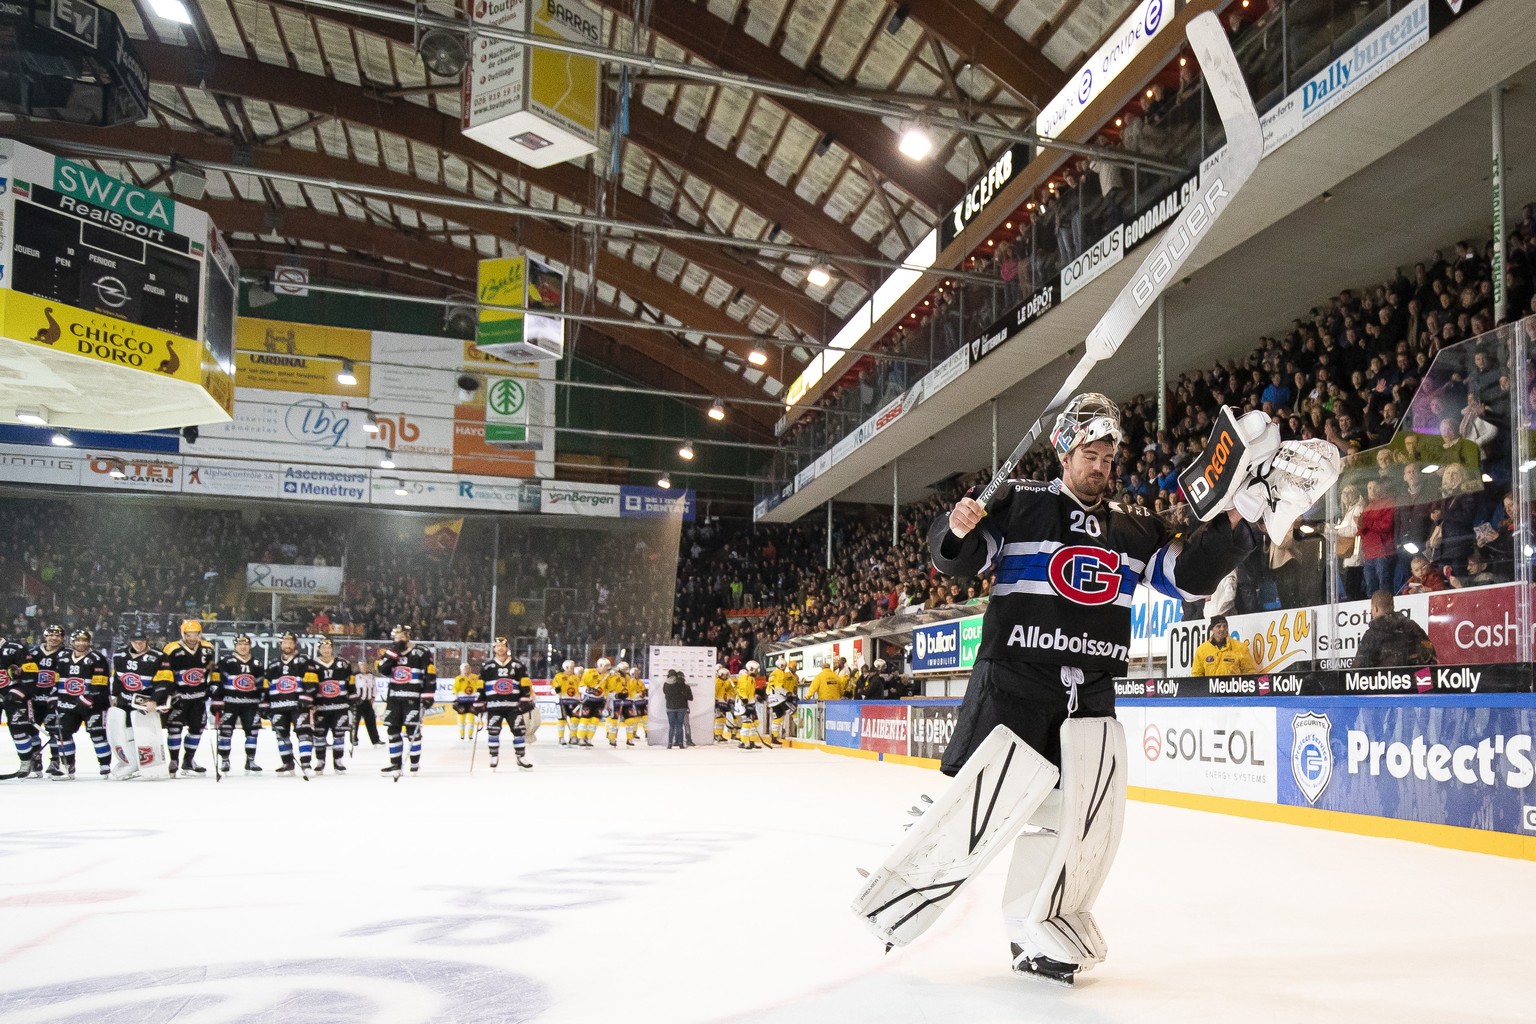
[(96, 268)]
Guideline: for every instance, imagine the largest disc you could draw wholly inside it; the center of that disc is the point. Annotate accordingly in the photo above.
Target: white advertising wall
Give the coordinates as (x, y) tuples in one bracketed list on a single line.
[(698, 667)]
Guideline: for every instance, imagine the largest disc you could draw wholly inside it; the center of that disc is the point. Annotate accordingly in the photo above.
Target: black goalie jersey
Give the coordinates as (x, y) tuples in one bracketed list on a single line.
[(1064, 575)]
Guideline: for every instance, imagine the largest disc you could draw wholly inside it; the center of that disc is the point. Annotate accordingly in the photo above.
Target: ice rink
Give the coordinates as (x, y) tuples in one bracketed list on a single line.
[(705, 885)]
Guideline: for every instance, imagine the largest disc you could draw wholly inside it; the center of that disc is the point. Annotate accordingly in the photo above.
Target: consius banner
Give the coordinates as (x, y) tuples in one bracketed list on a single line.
[(1447, 761)]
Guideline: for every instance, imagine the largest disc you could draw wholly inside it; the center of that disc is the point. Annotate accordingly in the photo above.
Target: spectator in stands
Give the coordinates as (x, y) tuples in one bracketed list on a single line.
[(1424, 578), (1411, 523), (1378, 546), (1347, 546), (1222, 654), (1479, 573), (1392, 639)]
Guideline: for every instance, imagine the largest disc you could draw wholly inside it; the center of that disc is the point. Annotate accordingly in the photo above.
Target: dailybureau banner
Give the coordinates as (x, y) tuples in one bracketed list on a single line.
[(1443, 763), (295, 580)]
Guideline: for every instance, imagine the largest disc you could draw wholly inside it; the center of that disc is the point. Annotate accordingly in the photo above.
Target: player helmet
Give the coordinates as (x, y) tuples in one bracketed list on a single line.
[(879, 664), (242, 636), (290, 636), (192, 626), (80, 634), (1088, 417), (603, 664), (721, 672), (753, 668), (53, 629), (567, 664)]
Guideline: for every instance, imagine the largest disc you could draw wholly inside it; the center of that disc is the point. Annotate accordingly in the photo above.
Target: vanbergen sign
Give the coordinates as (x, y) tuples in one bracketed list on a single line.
[(1133, 35)]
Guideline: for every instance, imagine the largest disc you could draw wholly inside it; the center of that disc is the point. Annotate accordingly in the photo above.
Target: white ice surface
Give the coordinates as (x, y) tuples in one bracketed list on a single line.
[(692, 886)]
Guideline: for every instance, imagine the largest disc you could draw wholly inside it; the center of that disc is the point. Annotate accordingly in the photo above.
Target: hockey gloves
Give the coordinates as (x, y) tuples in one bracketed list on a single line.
[(1236, 446), (1286, 484)]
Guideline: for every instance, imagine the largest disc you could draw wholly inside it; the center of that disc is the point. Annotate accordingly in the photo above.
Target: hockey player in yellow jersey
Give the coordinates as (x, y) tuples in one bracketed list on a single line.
[(725, 696), (466, 687), (567, 686), (782, 684), (831, 683), (615, 693), (746, 706), (636, 707), (593, 683)]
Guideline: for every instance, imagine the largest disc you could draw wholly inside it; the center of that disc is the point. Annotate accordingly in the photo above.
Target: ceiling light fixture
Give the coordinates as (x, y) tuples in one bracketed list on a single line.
[(371, 424), (916, 143), (37, 417), (819, 276), (118, 470), (757, 357), (400, 490), (717, 411), (171, 10), (347, 378), (686, 451), (387, 460), (665, 483), (61, 439)]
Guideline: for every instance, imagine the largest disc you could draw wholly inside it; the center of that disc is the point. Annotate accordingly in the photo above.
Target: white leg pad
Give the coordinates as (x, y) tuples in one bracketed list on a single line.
[(125, 759), (149, 743), (1002, 783), (1057, 872)]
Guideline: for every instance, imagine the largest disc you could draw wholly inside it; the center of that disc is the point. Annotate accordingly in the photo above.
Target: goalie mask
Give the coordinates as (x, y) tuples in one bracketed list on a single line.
[(1087, 418)]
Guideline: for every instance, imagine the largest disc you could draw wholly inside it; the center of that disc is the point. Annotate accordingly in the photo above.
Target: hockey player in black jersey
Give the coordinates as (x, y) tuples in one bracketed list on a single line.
[(239, 691), (1065, 562), (40, 668), (186, 671), (134, 727), (411, 688), (291, 682), (82, 701), (506, 697), (335, 694), (17, 710)]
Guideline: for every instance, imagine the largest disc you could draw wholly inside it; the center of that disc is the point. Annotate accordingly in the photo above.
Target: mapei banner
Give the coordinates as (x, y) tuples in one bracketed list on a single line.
[(1472, 766)]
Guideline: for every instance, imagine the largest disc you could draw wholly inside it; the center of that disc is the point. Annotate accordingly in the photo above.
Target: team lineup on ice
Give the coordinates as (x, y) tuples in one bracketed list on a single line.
[(743, 877)]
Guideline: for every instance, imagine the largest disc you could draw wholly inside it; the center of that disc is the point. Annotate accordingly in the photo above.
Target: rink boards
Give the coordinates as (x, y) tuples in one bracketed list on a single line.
[(1449, 770)]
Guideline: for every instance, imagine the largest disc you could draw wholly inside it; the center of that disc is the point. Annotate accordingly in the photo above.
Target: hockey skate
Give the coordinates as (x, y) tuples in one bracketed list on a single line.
[(104, 770), (287, 766), (1042, 967), (304, 771), (188, 765), (523, 762), (65, 773), (391, 770), (495, 760), (250, 765), (55, 772), (337, 766)]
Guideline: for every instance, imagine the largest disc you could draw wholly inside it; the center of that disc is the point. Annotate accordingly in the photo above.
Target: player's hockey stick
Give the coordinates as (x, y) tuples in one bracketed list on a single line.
[(1245, 145), (218, 775)]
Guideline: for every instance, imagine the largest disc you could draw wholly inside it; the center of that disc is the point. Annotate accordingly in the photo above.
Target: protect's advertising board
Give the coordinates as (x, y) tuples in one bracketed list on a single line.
[(883, 727), (930, 726), (1215, 751), (1448, 763), (840, 723)]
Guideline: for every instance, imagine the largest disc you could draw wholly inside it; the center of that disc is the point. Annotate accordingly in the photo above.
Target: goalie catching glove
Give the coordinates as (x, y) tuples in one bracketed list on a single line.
[(1286, 484), (1246, 467)]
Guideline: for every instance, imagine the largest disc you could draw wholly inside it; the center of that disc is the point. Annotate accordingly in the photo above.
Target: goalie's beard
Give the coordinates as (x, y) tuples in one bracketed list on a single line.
[(1088, 485)]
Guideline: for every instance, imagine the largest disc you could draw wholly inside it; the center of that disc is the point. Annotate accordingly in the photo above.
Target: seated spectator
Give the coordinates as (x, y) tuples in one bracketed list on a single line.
[(1478, 574), (1392, 639)]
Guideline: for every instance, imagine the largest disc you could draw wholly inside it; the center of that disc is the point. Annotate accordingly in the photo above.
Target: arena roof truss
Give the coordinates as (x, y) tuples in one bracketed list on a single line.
[(782, 178)]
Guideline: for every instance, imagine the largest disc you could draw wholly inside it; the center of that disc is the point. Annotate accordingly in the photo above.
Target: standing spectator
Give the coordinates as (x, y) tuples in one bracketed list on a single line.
[(1392, 638), (678, 695), (1223, 654), (1378, 542), (1346, 539)]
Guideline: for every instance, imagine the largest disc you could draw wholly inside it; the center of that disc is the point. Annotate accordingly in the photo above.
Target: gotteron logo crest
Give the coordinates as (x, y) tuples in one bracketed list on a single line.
[(1085, 574)]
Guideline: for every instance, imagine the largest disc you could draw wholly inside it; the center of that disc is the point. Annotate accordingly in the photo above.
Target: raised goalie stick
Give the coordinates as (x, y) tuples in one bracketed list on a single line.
[(1245, 145)]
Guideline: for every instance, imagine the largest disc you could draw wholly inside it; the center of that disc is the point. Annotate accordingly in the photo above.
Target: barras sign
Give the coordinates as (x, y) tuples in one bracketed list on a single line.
[(293, 580)]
